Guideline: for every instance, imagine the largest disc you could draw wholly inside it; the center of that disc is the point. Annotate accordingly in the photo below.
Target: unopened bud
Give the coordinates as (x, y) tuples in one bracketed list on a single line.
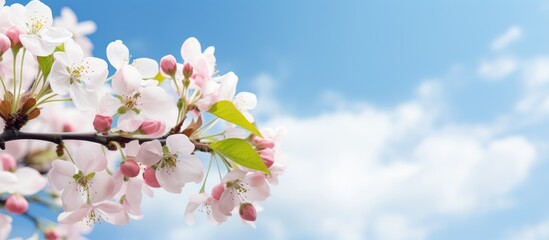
[(168, 65), (261, 143), (218, 190), (5, 43), (149, 175), (152, 127), (17, 204), (129, 168), (102, 123), (13, 34), (267, 155), (51, 234), (8, 162), (187, 70), (247, 212)]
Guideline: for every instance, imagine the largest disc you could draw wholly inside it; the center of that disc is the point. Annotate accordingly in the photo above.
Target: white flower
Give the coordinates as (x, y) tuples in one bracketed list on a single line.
[(35, 19), (80, 76), (79, 30)]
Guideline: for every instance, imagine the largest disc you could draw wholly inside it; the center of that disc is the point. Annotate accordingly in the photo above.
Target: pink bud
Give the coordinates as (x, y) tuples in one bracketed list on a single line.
[(218, 190), (261, 143), (187, 70), (168, 65), (17, 204), (51, 235), (129, 168), (8, 162), (102, 123), (267, 155), (247, 212), (68, 127), (13, 34), (152, 127), (5, 43), (149, 175)]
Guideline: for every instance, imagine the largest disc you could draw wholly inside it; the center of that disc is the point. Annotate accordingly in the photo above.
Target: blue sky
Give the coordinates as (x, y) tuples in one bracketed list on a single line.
[(406, 120)]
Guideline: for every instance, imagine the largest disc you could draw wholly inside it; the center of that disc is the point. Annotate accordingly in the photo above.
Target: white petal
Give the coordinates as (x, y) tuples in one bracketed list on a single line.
[(112, 213), (96, 72), (75, 216), (36, 46), (126, 80), (82, 98), (61, 174), (30, 181), (245, 101), (147, 67), (73, 53), (155, 102), (109, 105), (150, 153), (72, 197), (168, 179), (194, 202), (40, 11), (179, 144), (5, 226), (86, 27), (7, 181), (89, 158), (189, 169), (101, 187), (118, 54), (129, 121), (56, 35), (18, 16), (132, 148), (190, 49), (227, 87), (59, 78)]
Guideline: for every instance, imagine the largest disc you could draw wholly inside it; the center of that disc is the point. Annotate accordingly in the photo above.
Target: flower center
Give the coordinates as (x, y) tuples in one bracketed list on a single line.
[(36, 24)]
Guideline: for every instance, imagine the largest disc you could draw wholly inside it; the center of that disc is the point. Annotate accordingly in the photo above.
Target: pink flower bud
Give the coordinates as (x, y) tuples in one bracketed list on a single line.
[(168, 65), (51, 235), (68, 127), (13, 34), (102, 123), (8, 162), (267, 155), (218, 190), (5, 43), (261, 143), (149, 175), (247, 212), (17, 204), (129, 168), (152, 127), (187, 70)]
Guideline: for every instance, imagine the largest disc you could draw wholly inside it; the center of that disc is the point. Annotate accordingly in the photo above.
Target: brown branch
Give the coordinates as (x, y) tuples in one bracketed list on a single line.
[(105, 140)]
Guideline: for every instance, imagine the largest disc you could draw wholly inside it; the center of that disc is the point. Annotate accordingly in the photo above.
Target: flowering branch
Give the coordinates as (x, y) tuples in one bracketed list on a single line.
[(105, 140)]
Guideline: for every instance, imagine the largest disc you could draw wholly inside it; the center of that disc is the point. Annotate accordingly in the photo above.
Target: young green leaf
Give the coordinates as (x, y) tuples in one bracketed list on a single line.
[(45, 64), (240, 152), (227, 111)]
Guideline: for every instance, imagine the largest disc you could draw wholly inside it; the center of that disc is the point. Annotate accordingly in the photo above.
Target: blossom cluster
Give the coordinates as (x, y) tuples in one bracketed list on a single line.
[(92, 143)]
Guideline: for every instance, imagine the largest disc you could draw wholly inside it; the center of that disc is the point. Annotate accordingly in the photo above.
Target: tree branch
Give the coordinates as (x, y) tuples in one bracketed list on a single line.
[(105, 140)]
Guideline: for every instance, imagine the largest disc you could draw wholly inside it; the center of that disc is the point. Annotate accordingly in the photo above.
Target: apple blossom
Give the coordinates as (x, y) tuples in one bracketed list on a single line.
[(174, 164), (79, 30), (35, 19)]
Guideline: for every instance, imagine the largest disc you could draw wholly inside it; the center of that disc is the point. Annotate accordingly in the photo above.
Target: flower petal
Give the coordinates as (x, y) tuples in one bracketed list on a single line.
[(129, 121), (126, 80), (72, 197), (83, 98), (56, 35), (61, 173), (36, 45), (113, 213), (179, 144), (59, 78), (169, 179), (75, 216), (147, 67), (89, 158), (150, 153), (30, 181), (118, 54), (190, 49)]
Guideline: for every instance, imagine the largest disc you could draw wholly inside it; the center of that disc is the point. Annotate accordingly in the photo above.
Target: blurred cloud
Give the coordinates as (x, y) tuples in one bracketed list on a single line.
[(497, 69), (538, 231), (513, 34)]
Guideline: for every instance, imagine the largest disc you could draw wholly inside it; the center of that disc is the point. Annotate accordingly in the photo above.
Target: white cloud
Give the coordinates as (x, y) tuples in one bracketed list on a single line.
[(513, 34), (497, 69), (539, 231)]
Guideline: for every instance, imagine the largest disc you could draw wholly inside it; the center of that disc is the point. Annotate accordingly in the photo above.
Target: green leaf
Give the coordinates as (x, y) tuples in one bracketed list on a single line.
[(240, 152), (227, 111), (45, 64)]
